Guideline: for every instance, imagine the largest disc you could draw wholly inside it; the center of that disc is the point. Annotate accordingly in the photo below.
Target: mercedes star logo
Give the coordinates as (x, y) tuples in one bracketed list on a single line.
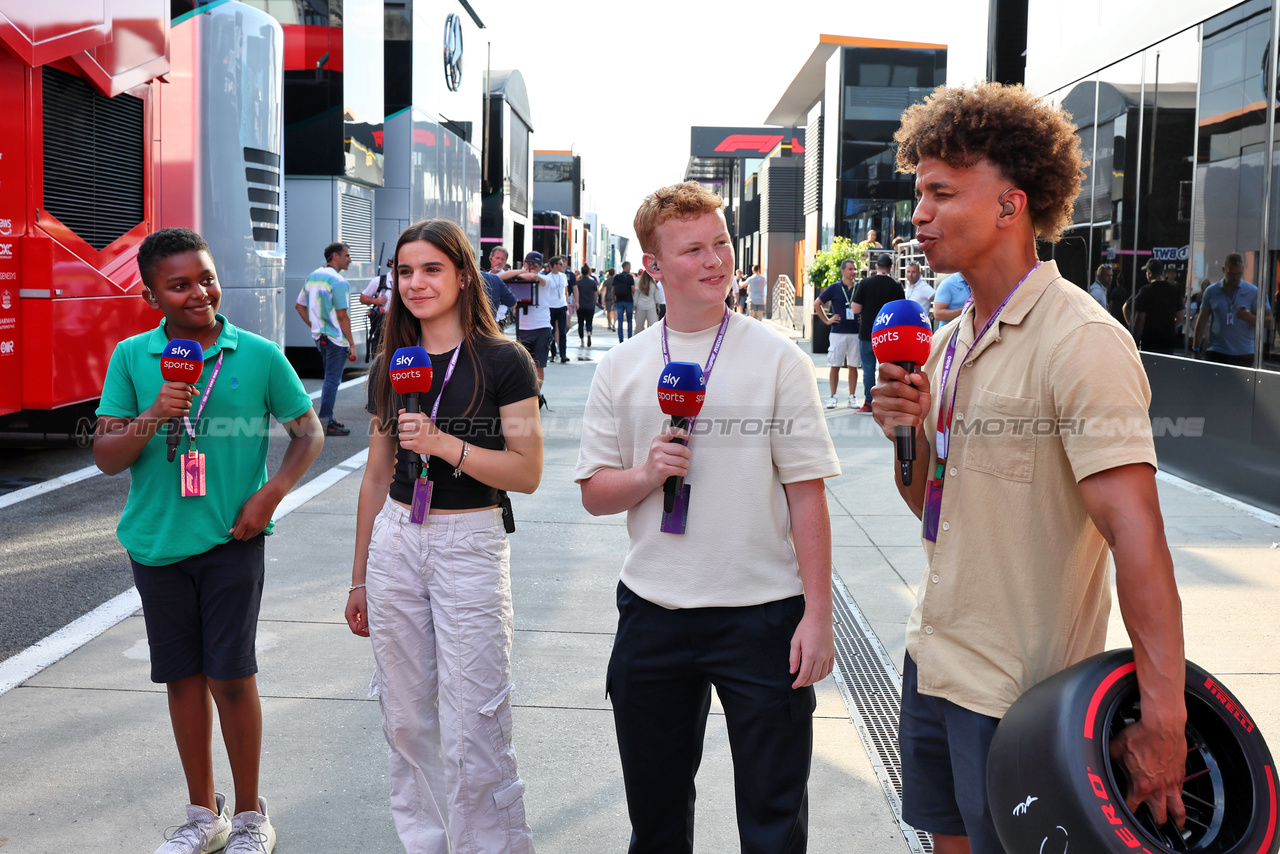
[(453, 52)]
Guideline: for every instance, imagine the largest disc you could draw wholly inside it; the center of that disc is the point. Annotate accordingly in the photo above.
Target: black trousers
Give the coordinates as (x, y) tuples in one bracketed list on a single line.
[(560, 329), (663, 667)]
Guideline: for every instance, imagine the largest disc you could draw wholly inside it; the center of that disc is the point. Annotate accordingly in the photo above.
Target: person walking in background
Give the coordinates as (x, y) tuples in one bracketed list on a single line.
[(834, 307), (533, 322), (646, 302), (872, 294), (557, 287), (755, 292), (1157, 311), (918, 290), (1118, 297), (624, 285), (740, 288), (1226, 324), (584, 303), (1101, 284), (430, 582), (322, 305), (606, 293), (197, 550), (662, 298), (375, 296), (950, 298)]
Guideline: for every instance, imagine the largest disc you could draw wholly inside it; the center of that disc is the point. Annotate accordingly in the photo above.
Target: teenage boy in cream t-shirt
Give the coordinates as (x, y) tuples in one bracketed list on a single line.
[(750, 612)]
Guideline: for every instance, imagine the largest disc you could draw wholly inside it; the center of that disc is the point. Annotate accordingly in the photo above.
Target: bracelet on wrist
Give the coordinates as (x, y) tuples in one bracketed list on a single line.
[(354, 588), (466, 449)]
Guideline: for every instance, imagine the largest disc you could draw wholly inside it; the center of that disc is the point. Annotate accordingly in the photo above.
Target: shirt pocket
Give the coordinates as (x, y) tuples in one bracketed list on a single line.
[(1001, 435)]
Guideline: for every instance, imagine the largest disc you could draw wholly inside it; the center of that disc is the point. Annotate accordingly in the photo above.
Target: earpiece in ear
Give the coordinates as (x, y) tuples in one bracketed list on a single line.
[(1006, 208)]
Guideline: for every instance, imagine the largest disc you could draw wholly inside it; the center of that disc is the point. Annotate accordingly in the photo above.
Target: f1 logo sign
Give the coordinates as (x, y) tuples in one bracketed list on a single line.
[(762, 143)]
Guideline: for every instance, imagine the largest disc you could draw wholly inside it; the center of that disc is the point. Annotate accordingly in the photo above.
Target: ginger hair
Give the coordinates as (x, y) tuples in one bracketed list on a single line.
[(1032, 141), (678, 201)]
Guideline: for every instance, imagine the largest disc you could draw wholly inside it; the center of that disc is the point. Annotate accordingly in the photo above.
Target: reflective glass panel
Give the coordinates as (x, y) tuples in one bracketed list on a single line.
[(1229, 178)]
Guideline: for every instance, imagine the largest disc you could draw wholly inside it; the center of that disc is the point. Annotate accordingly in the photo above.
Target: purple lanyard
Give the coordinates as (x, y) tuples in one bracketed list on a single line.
[(943, 433), (711, 358), (204, 398), (435, 407)]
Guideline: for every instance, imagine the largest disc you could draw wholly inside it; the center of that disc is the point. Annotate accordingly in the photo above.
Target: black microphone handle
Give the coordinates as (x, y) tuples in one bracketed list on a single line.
[(674, 483), (413, 405), (174, 433), (904, 438)]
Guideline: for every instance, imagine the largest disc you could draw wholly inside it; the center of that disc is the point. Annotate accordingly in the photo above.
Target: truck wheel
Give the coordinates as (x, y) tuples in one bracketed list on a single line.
[(1053, 787)]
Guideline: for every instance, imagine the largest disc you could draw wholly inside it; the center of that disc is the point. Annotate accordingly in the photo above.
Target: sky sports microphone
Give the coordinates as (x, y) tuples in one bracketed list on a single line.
[(411, 376), (902, 335), (181, 362), (681, 391)]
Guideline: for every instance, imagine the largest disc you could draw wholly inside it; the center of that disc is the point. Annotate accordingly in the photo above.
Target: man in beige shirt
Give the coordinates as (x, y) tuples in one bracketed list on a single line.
[(1041, 460)]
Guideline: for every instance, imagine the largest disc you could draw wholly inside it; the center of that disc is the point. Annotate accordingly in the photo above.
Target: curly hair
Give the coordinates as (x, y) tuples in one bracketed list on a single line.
[(1030, 140), (678, 201), (166, 243)]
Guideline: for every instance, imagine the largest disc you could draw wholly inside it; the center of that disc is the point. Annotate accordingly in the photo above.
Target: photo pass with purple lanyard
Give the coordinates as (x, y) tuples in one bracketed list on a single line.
[(676, 509)]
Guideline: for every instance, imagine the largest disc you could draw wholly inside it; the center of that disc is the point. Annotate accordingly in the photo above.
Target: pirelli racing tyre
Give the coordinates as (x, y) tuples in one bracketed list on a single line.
[(1053, 788)]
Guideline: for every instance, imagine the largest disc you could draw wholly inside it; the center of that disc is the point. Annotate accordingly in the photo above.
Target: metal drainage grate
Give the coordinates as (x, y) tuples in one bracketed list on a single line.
[(872, 692)]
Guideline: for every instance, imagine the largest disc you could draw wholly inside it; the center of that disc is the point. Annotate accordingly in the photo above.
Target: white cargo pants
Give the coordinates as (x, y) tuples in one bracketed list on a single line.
[(440, 619)]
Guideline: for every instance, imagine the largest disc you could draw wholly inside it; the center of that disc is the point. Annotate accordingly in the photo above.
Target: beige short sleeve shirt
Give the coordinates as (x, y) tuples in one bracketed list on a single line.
[(1017, 586)]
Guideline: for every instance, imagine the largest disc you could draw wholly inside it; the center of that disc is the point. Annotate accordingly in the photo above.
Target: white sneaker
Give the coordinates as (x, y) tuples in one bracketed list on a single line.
[(850, 403), (251, 832), (831, 402), (205, 831)]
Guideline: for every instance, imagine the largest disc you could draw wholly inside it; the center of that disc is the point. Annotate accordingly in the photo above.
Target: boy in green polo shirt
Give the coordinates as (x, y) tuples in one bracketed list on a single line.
[(198, 560)]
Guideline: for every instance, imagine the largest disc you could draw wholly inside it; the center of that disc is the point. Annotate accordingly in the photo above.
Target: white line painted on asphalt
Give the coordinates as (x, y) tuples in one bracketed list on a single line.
[(21, 667), (1234, 503), (315, 395), (50, 485), (66, 640), (319, 484)]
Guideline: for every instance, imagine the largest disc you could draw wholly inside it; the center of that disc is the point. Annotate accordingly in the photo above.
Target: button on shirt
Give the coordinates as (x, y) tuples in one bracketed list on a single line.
[(1017, 585)]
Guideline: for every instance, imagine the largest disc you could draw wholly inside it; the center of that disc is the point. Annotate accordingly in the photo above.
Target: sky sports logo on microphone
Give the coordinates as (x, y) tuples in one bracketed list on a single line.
[(682, 397), (674, 379), (182, 361), (901, 333)]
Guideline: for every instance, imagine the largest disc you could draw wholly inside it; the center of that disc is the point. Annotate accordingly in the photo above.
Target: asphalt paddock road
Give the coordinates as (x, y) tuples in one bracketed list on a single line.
[(59, 556)]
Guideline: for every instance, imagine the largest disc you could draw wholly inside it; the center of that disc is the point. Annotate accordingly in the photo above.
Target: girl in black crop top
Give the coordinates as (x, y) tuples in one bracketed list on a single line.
[(432, 588)]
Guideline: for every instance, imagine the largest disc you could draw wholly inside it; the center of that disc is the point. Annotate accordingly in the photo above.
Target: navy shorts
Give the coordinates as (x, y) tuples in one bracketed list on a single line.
[(202, 612), (537, 342), (944, 766)]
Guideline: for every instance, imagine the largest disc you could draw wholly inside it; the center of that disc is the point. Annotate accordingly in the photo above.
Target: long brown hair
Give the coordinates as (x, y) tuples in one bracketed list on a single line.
[(645, 284), (402, 329)]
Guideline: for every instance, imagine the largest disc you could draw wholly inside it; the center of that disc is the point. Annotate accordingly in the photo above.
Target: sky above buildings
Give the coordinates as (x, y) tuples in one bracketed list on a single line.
[(621, 82)]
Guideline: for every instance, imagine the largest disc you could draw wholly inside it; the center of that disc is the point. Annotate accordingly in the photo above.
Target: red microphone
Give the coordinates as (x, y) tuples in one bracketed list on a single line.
[(411, 376), (901, 334), (181, 362), (681, 391)]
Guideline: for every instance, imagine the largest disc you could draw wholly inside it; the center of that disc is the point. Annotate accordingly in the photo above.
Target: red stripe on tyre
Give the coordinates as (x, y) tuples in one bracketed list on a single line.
[(1114, 677)]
